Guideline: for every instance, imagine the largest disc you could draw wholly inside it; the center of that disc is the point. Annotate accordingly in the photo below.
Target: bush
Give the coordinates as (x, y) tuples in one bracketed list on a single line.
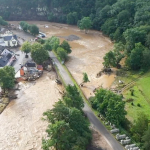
[(139, 105), (130, 100), (62, 54)]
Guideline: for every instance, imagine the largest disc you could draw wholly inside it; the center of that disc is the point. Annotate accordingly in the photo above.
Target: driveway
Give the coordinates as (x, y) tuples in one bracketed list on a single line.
[(93, 119)]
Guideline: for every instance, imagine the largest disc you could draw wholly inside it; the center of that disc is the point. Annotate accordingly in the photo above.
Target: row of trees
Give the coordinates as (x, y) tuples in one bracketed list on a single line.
[(39, 50), (33, 29), (53, 43), (68, 129)]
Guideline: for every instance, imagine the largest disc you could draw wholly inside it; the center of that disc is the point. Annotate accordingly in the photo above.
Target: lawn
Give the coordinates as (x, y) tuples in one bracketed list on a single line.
[(141, 95)]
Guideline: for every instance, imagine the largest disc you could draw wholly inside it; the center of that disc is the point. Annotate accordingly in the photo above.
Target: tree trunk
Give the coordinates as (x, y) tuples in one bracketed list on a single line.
[(26, 56)]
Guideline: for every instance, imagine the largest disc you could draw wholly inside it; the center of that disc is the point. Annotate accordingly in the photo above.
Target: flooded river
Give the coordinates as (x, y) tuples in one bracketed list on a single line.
[(21, 127), (87, 54)]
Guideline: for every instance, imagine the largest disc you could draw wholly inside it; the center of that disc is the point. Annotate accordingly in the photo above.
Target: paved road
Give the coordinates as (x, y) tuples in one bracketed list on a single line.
[(93, 119), (62, 71)]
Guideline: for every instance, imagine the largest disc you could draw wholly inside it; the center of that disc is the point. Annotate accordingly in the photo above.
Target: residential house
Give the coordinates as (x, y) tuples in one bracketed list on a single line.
[(2, 43), (9, 39), (7, 57), (30, 69)]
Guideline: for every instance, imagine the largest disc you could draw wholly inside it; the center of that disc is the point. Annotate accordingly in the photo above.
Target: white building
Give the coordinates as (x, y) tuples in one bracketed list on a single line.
[(8, 39)]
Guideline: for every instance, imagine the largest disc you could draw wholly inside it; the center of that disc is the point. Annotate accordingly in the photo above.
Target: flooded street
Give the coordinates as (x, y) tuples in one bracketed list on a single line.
[(21, 127)]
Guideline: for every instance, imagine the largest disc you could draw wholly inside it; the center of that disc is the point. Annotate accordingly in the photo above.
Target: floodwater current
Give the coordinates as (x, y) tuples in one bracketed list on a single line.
[(21, 127)]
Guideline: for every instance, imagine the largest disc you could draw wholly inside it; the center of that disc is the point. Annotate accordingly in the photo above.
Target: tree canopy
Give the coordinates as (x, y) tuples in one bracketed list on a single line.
[(33, 29), (26, 47), (7, 77), (62, 54), (68, 128), (38, 53), (85, 24), (122, 20), (65, 45), (85, 77), (72, 97), (110, 105), (146, 138), (3, 22)]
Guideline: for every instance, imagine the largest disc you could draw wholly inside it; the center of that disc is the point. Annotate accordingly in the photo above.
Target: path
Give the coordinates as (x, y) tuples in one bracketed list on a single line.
[(93, 119)]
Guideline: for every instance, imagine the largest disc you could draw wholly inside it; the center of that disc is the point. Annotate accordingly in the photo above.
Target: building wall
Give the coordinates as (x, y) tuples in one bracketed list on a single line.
[(9, 43)]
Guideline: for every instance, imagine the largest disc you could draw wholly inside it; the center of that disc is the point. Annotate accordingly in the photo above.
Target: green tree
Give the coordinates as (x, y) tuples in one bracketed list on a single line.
[(65, 45), (109, 59), (134, 35), (26, 48), (24, 25), (148, 40), (61, 136), (33, 29), (116, 110), (145, 61), (110, 105), (136, 56), (7, 77), (85, 78), (85, 24), (38, 53), (139, 127), (41, 41), (146, 138), (54, 42), (3, 22), (72, 18), (76, 123), (47, 46), (72, 97), (118, 53), (109, 27), (62, 54), (99, 98), (57, 113)]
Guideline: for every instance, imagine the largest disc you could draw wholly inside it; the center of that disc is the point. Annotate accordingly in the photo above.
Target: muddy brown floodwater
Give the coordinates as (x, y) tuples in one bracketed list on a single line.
[(21, 127), (87, 54)]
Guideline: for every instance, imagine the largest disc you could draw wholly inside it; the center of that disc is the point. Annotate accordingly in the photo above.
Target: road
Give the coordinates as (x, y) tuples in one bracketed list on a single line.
[(93, 119), (19, 54)]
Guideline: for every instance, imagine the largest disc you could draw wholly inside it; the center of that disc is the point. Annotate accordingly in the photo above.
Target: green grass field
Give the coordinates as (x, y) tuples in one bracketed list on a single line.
[(141, 96)]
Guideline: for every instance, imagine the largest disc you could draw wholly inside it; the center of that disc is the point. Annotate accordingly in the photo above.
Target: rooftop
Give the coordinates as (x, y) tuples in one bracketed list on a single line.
[(6, 56)]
